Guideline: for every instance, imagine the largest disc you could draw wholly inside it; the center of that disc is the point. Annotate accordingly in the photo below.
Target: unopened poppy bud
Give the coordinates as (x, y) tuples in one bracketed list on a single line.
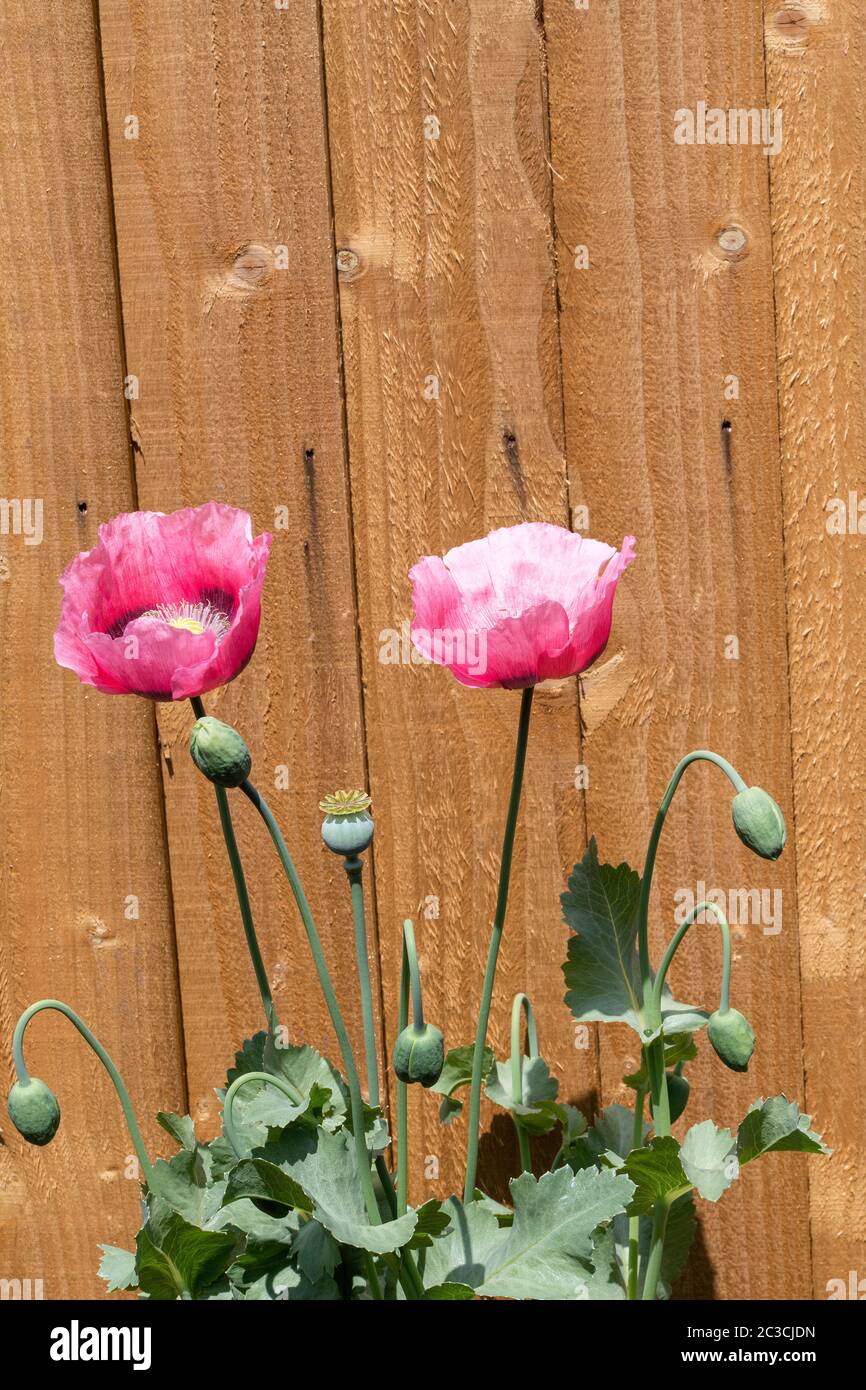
[(732, 1038), (348, 826), (219, 752), (419, 1055), (759, 822), (34, 1111)]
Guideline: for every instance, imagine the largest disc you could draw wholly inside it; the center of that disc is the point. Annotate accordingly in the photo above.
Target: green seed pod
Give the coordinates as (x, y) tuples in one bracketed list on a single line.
[(732, 1038), (348, 826), (759, 822), (219, 752), (419, 1055), (34, 1111), (678, 1094)]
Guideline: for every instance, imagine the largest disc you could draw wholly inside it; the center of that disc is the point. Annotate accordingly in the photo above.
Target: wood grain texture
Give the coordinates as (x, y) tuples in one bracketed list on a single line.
[(650, 331), (240, 399), (816, 67), (81, 813), (442, 205)]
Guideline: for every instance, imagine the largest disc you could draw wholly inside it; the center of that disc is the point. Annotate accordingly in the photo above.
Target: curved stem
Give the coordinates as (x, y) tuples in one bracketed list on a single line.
[(354, 1084), (277, 1082), (652, 1013), (95, 1044), (354, 871), (521, 1004), (495, 942), (675, 942), (261, 973)]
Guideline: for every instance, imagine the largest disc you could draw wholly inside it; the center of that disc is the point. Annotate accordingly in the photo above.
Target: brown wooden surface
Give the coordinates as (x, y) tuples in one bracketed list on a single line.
[(82, 812), (649, 333), (815, 70), (431, 170), (240, 400), (454, 278)]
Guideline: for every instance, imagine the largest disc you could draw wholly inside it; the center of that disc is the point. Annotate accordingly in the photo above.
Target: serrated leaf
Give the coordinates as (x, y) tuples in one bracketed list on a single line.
[(462, 1254), (259, 1180), (433, 1221), (185, 1182), (456, 1073), (656, 1172), (603, 970), (457, 1069), (709, 1159), (259, 1107), (117, 1268), (612, 1135), (315, 1251), (448, 1292), (554, 1220), (180, 1127), (323, 1165), (175, 1259), (775, 1126), (536, 1109)]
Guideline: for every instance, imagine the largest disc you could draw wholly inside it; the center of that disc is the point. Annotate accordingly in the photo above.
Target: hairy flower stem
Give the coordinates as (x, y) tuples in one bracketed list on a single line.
[(655, 1049), (95, 1044), (241, 890), (495, 942)]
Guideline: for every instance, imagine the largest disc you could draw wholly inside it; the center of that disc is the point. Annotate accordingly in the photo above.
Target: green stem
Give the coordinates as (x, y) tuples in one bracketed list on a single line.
[(676, 939), (652, 1011), (95, 1044), (409, 976), (354, 870), (521, 1004), (277, 1082), (634, 1221), (657, 1245), (353, 1081), (495, 942), (241, 890), (655, 1049)]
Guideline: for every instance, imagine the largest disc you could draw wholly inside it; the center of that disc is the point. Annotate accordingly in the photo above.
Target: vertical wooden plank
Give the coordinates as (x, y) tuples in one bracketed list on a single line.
[(80, 799), (677, 297), (816, 67), (227, 279), (442, 216)]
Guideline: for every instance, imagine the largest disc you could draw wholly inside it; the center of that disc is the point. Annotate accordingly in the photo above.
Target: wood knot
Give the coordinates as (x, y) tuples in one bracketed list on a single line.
[(732, 242), (251, 268), (791, 25)]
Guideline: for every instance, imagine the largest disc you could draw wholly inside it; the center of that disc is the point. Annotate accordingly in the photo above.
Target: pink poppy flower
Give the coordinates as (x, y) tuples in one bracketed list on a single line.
[(164, 606), (526, 604)]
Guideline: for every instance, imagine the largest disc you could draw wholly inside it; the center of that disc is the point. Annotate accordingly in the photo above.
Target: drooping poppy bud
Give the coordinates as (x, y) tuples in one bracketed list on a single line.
[(419, 1055), (348, 826), (34, 1111), (759, 822), (219, 752), (732, 1038)]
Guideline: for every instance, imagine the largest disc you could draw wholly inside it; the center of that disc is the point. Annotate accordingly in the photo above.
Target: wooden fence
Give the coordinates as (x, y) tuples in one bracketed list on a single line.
[(401, 271)]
